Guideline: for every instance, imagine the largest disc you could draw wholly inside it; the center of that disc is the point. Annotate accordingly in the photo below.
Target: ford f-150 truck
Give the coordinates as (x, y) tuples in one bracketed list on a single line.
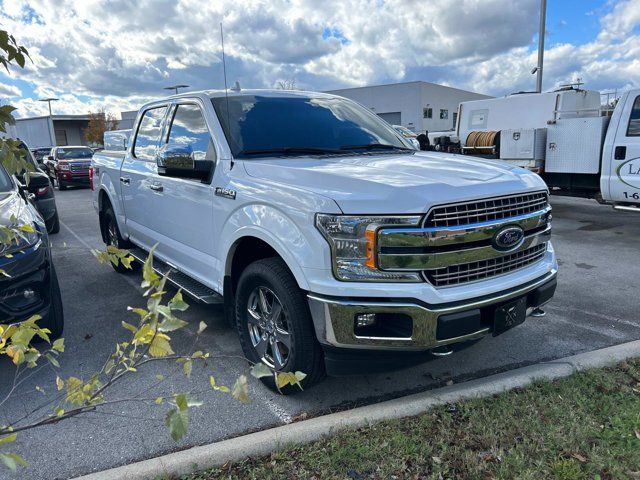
[(334, 246)]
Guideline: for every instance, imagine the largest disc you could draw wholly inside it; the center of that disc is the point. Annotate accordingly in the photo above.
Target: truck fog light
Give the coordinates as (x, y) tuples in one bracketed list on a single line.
[(365, 320)]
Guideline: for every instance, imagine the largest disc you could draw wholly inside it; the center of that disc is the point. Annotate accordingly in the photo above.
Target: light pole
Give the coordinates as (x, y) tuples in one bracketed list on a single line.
[(176, 87), (50, 122), (541, 33), (48, 100)]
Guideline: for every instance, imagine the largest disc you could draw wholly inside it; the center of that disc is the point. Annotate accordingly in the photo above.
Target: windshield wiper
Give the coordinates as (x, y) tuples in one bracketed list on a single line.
[(375, 146), (291, 151)]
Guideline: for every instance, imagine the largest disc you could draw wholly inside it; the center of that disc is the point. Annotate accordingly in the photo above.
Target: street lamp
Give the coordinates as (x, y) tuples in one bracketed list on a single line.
[(541, 33), (48, 100), (176, 87)]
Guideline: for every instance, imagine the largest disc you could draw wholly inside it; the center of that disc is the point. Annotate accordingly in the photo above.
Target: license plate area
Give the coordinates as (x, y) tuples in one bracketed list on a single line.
[(509, 315)]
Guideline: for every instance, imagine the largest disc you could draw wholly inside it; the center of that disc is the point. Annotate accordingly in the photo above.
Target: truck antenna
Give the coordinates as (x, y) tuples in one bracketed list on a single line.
[(226, 90)]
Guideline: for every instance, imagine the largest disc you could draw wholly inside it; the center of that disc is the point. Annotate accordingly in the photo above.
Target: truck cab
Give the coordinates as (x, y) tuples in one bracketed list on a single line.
[(334, 246), (620, 180), (578, 145)]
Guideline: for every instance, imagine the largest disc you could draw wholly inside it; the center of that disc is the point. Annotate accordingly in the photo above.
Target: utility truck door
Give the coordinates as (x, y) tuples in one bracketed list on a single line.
[(624, 152)]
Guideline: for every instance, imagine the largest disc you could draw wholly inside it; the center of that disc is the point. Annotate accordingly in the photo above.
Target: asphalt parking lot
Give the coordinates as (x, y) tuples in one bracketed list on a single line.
[(596, 305)]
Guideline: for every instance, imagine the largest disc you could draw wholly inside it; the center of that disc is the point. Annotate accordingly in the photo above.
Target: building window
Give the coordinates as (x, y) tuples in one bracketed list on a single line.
[(455, 119), (61, 137), (427, 112), (444, 114)]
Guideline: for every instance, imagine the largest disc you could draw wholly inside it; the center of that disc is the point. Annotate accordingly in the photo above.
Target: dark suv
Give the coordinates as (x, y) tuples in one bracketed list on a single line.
[(45, 200), (28, 284)]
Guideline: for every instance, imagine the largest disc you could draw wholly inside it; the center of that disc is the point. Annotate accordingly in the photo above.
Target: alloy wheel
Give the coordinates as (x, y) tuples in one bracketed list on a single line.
[(268, 328)]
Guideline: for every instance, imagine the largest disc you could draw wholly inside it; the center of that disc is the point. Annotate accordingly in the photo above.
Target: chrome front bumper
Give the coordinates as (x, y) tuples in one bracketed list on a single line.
[(334, 319)]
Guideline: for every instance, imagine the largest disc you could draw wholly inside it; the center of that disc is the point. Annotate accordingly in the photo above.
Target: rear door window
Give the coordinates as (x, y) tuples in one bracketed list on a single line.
[(189, 131), (148, 135), (633, 129)]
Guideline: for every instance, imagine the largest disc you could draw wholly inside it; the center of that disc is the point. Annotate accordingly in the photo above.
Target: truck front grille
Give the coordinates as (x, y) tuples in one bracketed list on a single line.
[(474, 271), (80, 169), (486, 210)]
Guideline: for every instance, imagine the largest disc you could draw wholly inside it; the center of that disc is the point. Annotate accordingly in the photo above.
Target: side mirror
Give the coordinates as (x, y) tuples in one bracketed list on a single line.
[(178, 161)]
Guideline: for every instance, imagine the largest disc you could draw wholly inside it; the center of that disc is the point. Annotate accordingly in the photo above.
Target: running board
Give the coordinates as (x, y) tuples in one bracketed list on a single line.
[(627, 208), (189, 285)]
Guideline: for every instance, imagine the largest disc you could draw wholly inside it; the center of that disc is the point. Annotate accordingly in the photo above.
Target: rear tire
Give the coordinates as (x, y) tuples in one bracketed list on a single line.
[(262, 336), (55, 319), (54, 224), (113, 237)]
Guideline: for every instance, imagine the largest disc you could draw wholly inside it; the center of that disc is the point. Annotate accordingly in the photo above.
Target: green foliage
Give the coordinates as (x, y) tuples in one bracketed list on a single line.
[(10, 51), (114, 255), (11, 157)]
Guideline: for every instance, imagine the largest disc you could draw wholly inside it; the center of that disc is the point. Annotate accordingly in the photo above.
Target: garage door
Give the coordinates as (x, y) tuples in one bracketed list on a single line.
[(394, 118)]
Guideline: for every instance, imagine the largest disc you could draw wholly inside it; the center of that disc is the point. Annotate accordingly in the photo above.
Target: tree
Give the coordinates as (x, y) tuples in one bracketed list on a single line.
[(99, 122)]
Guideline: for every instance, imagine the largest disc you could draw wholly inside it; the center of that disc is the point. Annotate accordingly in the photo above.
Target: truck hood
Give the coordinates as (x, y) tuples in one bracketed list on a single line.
[(396, 183)]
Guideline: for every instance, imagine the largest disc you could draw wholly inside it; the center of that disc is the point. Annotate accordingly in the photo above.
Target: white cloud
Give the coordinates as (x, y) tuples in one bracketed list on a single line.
[(9, 91), (119, 53)]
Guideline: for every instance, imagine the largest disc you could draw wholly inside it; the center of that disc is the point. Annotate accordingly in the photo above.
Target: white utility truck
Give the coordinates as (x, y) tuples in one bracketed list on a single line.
[(334, 246), (577, 145)]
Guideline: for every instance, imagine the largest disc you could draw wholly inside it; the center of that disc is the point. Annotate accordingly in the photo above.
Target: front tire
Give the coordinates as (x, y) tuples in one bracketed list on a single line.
[(61, 185), (55, 319), (274, 323), (113, 238), (54, 224)]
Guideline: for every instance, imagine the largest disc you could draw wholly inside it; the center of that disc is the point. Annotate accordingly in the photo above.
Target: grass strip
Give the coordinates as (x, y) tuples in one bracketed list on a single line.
[(586, 426)]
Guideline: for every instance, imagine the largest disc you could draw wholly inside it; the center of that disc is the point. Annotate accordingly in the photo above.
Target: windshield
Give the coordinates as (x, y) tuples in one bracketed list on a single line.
[(5, 181), (73, 153), (261, 126), (40, 153)]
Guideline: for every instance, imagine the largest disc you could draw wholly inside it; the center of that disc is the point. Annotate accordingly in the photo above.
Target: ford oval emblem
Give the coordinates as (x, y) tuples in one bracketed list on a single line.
[(508, 238)]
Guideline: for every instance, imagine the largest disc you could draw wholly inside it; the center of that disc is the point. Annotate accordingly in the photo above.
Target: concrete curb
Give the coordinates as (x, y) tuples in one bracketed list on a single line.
[(264, 442)]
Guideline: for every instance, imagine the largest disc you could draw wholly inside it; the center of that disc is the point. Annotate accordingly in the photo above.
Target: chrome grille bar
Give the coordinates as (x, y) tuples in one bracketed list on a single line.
[(484, 210), (470, 272)]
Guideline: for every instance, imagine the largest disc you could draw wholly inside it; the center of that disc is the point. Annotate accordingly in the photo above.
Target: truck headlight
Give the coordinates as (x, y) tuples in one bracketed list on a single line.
[(353, 246), (64, 166)]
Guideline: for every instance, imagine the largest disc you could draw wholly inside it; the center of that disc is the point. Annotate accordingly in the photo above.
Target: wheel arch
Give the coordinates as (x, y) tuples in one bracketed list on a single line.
[(255, 245)]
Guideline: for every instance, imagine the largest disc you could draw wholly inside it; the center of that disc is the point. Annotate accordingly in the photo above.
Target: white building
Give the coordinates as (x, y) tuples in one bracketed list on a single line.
[(127, 119), (55, 130), (418, 106)]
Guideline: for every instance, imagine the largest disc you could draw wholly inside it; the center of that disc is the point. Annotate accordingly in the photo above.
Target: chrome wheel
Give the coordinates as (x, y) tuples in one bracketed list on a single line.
[(112, 233), (268, 328)]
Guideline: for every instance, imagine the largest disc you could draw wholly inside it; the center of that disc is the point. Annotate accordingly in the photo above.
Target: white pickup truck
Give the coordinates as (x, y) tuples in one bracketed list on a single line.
[(334, 246)]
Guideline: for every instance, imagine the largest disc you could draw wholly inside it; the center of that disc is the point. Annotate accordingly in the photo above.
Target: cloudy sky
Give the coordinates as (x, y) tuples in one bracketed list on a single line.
[(118, 54)]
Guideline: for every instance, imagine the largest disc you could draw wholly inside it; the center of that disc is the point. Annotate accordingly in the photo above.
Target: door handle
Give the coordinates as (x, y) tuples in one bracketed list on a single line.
[(620, 152), (125, 180), (156, 187)]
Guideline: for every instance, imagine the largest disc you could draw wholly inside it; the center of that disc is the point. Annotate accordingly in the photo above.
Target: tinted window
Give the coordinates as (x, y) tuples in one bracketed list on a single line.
[(189, 131), (41, 153), (74, 153), (633, 130), (5, 181), (148, 134), (254, 123)]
